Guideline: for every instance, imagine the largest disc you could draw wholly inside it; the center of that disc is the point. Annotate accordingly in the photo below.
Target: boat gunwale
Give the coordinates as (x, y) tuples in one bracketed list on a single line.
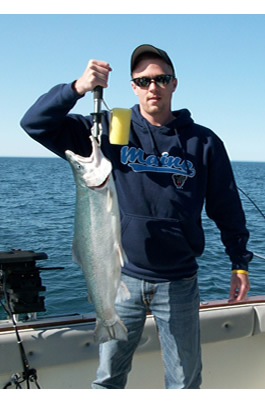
[(76, 318)]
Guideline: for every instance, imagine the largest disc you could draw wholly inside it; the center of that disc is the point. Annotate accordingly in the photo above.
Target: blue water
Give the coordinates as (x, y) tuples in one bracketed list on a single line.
[(37, 213)]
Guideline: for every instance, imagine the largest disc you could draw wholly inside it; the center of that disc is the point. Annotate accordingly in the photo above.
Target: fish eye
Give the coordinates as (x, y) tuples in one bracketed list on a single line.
[(78, 166)]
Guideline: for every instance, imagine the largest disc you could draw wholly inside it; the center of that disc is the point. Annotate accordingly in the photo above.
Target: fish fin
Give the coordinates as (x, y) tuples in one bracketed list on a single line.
[(105, 333), (75, 258), (122, 256), (125, 258), (89, 298), (122, 293)]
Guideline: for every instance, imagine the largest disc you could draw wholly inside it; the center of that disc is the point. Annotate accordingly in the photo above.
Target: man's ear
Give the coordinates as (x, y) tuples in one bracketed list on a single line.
[(134, 87), (175, 84)]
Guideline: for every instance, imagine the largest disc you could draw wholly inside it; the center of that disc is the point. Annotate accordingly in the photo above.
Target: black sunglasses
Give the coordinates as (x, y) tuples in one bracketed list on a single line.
[(161, 80)]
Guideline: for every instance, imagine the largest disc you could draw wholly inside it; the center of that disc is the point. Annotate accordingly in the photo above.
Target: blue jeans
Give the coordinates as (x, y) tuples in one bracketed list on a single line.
[(175, 306)]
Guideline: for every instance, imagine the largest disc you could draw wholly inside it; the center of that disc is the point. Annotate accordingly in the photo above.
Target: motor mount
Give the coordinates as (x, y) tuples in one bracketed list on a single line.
[(20, 281)]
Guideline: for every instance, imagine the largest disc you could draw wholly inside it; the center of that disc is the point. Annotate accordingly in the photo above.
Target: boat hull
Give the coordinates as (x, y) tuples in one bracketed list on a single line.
[(63, 352)]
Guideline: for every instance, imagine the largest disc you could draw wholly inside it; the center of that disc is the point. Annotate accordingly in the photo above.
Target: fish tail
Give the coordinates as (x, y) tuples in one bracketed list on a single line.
[(105, 333)]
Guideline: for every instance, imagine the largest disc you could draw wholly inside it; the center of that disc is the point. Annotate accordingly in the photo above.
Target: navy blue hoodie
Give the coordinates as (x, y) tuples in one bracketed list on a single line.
[(163, 177)]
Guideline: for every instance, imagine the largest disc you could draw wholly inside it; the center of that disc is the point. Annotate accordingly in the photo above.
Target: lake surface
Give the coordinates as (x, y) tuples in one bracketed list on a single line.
[(37, 204)]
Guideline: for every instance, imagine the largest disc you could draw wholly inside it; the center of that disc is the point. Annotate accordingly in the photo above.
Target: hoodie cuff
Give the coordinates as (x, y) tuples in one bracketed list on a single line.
[(240, 267), (241, 263), (69, 94), (73, 88)]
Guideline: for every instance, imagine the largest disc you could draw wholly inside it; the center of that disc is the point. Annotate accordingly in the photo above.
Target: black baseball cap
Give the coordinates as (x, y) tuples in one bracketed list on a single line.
[(142, 49)]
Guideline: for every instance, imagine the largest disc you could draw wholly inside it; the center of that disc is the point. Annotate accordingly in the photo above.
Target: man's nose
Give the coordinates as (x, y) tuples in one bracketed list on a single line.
[(153, 85)]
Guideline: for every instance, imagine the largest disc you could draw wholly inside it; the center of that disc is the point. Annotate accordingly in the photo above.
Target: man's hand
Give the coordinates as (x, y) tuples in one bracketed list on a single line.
[(96, 73), (239, 287)]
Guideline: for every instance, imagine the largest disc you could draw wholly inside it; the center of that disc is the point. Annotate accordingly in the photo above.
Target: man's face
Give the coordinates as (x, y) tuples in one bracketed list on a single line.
[(154, 101)]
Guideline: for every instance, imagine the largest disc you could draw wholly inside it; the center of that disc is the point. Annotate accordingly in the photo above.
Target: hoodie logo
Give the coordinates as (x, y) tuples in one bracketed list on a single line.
[(135, 159), (179, 180)]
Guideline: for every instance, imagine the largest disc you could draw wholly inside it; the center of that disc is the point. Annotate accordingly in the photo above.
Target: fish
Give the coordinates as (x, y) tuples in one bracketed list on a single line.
[(97, 247)]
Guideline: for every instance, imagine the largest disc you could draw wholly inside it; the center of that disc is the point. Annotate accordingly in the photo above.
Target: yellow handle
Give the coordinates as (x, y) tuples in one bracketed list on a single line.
[(120, 126)]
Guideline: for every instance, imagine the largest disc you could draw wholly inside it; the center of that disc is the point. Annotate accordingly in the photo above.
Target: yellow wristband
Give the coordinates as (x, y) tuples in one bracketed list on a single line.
[(240, 271)]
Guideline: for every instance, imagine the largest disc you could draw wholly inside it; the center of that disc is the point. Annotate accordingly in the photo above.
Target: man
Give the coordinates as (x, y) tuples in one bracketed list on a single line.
[(170, 167)]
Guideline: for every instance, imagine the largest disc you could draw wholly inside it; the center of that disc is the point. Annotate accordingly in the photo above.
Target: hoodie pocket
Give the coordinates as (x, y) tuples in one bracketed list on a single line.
[(155, 243)]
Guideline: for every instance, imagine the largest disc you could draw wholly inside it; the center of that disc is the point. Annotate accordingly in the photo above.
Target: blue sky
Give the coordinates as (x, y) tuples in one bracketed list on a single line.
[(219, 60)]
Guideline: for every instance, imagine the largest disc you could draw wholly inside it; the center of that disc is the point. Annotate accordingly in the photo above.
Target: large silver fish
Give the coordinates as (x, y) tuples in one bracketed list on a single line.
[(97, 241)]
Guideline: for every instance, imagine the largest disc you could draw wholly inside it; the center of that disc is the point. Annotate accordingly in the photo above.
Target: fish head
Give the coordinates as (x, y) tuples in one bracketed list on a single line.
[(93, 171)]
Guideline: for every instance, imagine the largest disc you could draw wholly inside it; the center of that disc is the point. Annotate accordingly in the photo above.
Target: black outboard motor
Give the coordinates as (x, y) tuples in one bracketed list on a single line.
[(20, 281)]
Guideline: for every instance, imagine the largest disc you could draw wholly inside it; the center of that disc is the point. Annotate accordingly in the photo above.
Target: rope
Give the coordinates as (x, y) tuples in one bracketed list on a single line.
[(255, 205)]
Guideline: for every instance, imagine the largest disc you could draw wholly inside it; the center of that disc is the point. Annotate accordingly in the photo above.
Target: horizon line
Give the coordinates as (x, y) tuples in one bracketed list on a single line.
[(58, 157)]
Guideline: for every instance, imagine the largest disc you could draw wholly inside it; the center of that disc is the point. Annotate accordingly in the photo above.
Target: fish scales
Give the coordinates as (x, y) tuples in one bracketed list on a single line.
[(97, 240)]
